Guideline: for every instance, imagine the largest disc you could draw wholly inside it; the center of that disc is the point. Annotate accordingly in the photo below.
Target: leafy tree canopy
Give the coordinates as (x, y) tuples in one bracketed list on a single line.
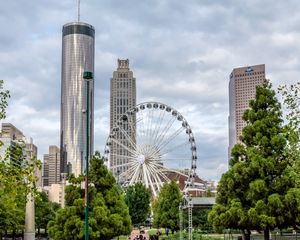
[(108, 213), (16, 178), (166, 206), (255, 192), (138, 202), (44, 210)]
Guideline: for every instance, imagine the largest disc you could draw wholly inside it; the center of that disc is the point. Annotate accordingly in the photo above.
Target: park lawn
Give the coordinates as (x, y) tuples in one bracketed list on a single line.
[(152, 231)]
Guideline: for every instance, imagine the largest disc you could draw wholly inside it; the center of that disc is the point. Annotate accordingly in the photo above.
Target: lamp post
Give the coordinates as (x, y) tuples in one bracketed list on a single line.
[(87, 76)]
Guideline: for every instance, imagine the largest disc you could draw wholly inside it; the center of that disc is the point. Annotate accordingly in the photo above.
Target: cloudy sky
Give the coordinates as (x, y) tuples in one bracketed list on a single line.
[(181, 53)]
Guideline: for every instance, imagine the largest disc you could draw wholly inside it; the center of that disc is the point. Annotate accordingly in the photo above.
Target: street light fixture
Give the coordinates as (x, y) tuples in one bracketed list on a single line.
[(87, 76)]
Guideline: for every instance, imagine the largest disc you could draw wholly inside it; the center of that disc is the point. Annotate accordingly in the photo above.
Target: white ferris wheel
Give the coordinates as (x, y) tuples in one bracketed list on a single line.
[(152, 143)]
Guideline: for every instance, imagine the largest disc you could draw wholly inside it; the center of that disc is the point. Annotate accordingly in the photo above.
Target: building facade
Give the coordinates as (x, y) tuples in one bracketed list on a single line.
[(31, 153), (122, 98), (242, 88), (55, 193), (78, 50), (45, 171), (13, 138), (52, 166)]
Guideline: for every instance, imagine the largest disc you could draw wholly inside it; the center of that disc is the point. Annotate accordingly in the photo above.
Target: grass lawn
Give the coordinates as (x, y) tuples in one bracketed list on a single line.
[(175, 236), (196, 236), (152, 231)]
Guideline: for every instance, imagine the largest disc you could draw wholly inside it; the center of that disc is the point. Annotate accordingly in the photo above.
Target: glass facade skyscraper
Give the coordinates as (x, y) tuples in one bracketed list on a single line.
[(78, 50)]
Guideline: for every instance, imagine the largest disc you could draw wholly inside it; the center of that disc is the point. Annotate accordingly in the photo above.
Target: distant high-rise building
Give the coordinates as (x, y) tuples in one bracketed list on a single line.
[(77, 57), (122, 98), (31, 153), (52, 166), (11, 132), (45, 171), (242, 88), (13, 138)]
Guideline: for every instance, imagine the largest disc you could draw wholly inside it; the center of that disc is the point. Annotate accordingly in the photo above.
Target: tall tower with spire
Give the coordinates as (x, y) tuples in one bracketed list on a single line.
[(78, 50), (122, 98)]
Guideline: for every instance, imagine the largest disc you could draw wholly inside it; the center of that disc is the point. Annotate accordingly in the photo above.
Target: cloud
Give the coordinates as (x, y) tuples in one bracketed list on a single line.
[(181, 54)]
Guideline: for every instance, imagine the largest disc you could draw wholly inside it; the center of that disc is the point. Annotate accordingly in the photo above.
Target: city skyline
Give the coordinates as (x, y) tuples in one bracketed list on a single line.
[(182, 55)]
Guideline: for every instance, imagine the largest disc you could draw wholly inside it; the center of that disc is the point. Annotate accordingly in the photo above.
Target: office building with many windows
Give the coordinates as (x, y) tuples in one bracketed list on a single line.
[(52, 166), (242, 88), (122, 98)]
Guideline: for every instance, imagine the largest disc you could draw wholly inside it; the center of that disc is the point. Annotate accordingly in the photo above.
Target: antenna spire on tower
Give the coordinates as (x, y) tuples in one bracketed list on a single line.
[(78, 16)]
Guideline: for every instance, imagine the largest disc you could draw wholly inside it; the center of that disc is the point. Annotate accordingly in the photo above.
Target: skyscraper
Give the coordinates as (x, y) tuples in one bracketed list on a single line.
[(77, 56), (52, 166), (12, 138), (31, 153), (122, 98), (242, 88), (45, 171)]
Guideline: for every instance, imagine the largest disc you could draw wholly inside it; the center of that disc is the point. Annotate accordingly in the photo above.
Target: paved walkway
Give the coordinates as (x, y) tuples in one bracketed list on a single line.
[(136, 232)]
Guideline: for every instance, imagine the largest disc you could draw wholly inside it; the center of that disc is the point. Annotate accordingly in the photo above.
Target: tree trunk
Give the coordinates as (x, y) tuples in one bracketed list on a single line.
[(267, 234), (246, 234)]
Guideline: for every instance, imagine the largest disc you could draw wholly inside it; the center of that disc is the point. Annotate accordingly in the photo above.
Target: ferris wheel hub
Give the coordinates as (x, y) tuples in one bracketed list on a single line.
[(141, 159)]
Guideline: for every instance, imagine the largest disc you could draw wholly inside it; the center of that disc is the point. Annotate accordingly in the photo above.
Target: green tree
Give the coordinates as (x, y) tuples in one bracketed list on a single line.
[(291, 102), (108, 213), (16, 181), (12, 198), (4, 96), (44, 211), (200, 216), (166, 207), (13, 172), (255, 192), (138, 201)]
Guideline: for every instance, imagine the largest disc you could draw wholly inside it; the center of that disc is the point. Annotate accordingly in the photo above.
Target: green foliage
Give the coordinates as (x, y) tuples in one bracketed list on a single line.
[(166, 207), (4, 96), (254, 192), (138, 202), (291, 102), (108, 213), (16, 181), (200, 217), (44, 210), (12, 197), (14, 170)]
